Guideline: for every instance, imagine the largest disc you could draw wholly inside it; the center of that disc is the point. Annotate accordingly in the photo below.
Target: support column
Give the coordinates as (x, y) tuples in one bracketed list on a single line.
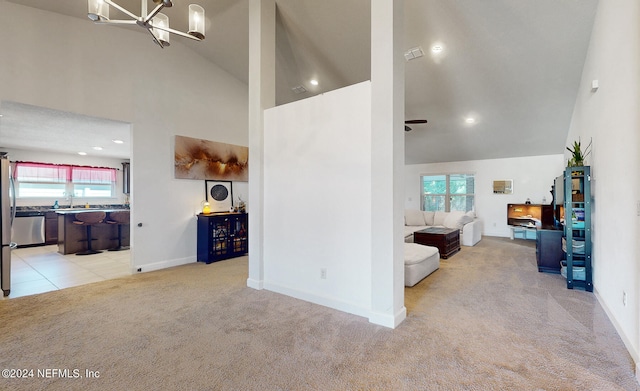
[(262, 79), (387, 154)]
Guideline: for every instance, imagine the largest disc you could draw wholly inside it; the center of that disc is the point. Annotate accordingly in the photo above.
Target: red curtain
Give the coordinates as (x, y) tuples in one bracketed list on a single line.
[(42, 172), (92, 175), (62, 173)]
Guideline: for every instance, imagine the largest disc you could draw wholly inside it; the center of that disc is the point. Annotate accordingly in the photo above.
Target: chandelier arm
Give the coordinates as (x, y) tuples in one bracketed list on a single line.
[(155, 39), (180, 33), (115, 21), (111, 3), (153, 13)]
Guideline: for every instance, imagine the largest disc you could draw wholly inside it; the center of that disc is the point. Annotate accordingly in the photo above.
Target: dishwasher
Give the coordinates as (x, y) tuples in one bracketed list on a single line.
[(28, 229)]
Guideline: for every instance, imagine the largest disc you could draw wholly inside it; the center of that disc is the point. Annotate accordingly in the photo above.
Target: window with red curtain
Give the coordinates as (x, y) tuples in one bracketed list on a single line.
[(42, 172), (95, 175), (45, 180)]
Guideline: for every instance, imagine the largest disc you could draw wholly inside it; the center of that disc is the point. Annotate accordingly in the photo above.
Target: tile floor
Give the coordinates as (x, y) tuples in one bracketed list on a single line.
[(43, 269)]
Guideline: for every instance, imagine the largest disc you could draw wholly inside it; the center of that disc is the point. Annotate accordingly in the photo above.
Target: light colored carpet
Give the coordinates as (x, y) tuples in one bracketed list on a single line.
[(487, 320)]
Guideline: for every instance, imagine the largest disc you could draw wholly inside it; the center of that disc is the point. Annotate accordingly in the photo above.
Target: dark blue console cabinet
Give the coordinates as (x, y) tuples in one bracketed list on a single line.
[(222, 236)]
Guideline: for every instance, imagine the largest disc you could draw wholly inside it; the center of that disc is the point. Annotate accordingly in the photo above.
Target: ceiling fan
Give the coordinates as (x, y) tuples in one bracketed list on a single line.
[(413, 121)]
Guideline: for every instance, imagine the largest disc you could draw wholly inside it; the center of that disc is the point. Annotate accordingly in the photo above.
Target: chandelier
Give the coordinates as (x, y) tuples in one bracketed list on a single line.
[(155, 22)]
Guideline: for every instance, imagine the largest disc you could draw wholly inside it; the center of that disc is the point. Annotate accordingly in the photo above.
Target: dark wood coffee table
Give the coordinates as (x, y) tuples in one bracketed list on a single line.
[(445, 239)]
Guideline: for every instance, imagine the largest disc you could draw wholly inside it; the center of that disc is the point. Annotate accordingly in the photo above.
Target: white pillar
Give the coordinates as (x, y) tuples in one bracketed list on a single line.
[(387, 154), (262, 77)]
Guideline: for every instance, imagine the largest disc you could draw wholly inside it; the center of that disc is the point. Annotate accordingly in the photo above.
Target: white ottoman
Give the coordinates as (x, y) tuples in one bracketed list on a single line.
[(419, 262)]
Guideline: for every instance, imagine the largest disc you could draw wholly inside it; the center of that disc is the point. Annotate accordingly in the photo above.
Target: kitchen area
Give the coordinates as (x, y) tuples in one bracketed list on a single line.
[(68, 206), (66, 228), (50, 241)]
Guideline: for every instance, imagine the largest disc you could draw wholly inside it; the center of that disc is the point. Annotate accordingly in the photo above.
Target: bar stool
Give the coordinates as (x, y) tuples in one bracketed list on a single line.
[(89, 219), (121, 218)]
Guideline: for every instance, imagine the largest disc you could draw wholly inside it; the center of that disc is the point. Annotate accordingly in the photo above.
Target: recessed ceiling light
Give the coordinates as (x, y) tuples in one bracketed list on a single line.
[(118, 141), (313, 82), (98, 148), (82, 153), (470, 120), (437, 48)]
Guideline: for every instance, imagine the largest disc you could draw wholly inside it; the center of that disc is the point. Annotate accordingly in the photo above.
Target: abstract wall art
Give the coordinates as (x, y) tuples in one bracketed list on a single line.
[(210, 160)]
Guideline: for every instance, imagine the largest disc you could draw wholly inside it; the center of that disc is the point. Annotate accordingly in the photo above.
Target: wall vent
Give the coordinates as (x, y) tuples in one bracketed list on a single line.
[(413, 53), (299, 89)]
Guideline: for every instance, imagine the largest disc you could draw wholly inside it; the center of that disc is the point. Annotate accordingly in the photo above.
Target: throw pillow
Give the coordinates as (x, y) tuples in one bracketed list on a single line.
[(428, 217), (438, 218), (457, 219), (413, 217)]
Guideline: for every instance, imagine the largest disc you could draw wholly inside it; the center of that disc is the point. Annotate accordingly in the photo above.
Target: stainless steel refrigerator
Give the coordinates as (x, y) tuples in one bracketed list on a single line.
[(7, 214)]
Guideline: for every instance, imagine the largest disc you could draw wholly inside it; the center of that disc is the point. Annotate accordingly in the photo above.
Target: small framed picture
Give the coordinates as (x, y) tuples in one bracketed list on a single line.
[(504, 186), (219, 195)]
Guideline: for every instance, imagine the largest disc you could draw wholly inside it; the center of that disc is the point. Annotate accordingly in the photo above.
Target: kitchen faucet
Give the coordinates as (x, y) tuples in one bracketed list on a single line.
[(70, 198)]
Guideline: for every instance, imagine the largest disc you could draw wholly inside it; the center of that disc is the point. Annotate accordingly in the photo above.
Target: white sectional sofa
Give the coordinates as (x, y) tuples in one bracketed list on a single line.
[(467, 223)]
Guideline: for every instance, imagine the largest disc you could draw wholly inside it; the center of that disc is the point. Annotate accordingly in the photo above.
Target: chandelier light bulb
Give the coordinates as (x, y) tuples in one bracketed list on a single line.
[(98, 10), (161, 20), (196, 21)]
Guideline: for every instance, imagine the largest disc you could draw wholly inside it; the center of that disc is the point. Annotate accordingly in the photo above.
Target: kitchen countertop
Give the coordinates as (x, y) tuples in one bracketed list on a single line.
[(26, 211), (65, 211), (29, 213)]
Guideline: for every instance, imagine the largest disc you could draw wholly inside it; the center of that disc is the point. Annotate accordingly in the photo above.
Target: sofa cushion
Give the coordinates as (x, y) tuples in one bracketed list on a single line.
[(457, 219), (428, 217), (413, 217), (416, 253), (438, 218)]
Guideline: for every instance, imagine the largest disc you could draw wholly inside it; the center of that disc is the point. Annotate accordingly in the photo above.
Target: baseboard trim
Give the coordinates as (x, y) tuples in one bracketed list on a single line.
[(339, 305), (149, 267), (255, 284), (389, 321), (627, 343)]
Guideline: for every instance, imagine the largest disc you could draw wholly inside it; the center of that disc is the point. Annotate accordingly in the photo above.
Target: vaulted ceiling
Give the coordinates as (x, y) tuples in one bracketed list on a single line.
[(512, 66)]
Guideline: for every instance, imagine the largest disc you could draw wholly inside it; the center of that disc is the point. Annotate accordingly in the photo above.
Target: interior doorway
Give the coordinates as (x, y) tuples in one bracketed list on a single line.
[(36, 134)]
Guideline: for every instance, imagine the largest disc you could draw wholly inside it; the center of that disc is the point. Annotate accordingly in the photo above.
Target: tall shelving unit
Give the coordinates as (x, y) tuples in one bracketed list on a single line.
[(577, 266)]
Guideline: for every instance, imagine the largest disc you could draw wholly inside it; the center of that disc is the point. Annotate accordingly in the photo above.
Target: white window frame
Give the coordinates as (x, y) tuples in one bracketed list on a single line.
[(447, 195)]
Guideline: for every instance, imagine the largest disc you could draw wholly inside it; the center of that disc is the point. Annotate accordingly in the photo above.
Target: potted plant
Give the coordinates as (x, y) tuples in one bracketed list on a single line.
[(577, 154)]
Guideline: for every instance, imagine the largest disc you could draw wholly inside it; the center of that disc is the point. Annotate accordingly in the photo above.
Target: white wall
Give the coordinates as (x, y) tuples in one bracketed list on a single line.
[(61, 158), (610, 117), (73, 65), (532, 178), (317, 199)]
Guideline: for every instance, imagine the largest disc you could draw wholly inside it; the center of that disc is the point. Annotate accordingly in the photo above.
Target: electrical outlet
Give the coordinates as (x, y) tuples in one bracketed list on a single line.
[(624, 298), (323, 273)]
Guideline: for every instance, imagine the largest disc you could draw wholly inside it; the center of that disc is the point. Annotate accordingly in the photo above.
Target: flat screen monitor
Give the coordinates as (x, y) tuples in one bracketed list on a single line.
[(558, 188)]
